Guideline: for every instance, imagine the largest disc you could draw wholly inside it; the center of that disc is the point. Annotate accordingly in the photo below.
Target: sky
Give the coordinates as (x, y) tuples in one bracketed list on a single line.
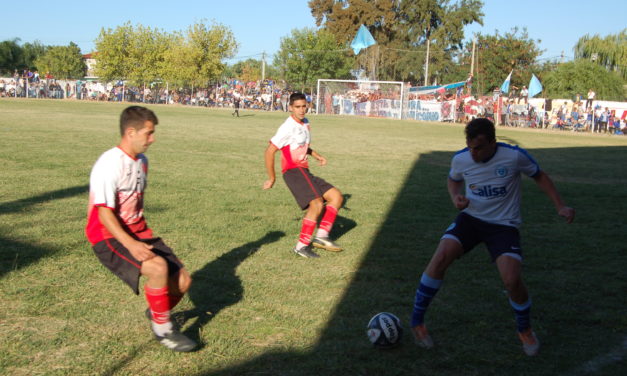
[(259, 26)]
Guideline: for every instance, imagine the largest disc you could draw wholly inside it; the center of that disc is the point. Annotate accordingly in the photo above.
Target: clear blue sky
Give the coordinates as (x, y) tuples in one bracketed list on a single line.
[(259, 26)]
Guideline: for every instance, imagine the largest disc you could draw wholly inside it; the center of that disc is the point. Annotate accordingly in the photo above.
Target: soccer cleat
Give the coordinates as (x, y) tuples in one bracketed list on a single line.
[(326, 243), (530, 342), (306, 252), (176, 341), (422, 337)]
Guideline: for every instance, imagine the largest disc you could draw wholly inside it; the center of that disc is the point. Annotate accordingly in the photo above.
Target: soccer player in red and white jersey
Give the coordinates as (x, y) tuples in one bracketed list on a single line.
[(311, 192), (119, 234)]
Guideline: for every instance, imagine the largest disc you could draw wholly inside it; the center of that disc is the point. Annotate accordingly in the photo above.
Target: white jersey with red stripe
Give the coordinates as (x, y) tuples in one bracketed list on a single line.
[(293, 139), (117, 182), (493, 186)]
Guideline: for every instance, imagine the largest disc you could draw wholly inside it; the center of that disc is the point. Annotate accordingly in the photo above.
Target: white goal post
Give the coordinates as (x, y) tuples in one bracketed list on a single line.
[(363, 98)]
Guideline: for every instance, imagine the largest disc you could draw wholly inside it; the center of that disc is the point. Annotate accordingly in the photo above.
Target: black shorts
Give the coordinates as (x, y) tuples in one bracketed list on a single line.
[(119, 260), (304, 186), (499, 239)]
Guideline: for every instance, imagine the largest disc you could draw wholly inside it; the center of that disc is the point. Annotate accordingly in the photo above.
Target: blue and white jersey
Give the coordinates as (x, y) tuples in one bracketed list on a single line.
[(493, 186)]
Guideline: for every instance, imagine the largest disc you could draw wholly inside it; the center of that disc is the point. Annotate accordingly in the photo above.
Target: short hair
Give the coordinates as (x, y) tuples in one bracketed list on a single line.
[(480, 126), (297, 97), (135, 117)]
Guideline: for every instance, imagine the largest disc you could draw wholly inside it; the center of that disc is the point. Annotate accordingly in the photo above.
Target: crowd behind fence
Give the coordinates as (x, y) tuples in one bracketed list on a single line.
[(260, 95), (457, 106)]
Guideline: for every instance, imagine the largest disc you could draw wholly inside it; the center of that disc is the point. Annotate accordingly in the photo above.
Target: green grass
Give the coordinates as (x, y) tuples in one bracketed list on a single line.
[(260, 310)]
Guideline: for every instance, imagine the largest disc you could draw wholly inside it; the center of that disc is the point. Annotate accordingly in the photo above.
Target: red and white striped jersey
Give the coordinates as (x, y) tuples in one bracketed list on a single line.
[(117, 182), (293, 139)]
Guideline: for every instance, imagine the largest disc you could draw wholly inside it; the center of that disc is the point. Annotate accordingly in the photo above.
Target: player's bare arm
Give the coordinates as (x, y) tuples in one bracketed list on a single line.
[(141, 251), (269, 159), (321, 160), (546, 184), (455, 190)]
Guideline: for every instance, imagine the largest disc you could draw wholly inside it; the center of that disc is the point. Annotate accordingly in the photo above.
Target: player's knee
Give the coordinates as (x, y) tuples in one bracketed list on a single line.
[(513, 284), (338, 199), (155, 267), (315, 206), (185, 282)]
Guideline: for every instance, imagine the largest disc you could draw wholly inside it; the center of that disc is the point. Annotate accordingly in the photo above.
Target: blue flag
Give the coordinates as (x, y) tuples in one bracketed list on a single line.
[(535, 86), (505, 86), (363, 39)]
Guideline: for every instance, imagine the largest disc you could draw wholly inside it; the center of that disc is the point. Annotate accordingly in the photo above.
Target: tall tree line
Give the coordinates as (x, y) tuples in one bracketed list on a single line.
[(142, 54)]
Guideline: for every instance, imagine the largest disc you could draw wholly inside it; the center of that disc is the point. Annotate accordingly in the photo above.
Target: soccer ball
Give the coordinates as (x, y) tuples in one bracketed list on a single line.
[(384, 330)]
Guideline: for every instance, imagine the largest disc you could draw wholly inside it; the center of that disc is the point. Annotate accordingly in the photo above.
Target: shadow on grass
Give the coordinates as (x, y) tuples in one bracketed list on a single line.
[(216, 286), (17, 205), (15, 254), (471, 307), (127, 359)]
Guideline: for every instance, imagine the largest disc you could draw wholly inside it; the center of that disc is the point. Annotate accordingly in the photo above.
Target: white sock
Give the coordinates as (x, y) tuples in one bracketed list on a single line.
[(300, 245), (162, 329), (322, 233)]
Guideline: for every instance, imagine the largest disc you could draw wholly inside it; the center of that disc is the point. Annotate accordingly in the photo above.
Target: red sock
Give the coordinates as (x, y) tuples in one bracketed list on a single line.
[(174, 300), (328, 219), (307, 231), (159, 303)]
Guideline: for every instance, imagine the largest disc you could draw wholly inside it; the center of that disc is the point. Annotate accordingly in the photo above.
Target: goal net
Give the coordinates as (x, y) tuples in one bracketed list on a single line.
[(364, 98)]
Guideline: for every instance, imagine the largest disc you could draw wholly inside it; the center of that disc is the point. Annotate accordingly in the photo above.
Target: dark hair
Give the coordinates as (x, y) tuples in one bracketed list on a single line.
[(297, 97), (480, 126), (135, 117)]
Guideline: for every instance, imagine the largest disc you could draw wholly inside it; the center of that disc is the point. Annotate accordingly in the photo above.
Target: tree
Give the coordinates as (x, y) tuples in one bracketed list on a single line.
[(10, 56), (30, 53), (402, 30), (609, 52), (246, 70), (308, 54), (197, 55), (146, 54), (497, 55), (577, 77), (134, 53), (114, 52), (63, 62)]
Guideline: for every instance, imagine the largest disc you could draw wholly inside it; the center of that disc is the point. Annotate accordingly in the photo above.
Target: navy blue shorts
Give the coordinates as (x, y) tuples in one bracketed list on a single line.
[(499, 239), (120, 262), (304, 186)]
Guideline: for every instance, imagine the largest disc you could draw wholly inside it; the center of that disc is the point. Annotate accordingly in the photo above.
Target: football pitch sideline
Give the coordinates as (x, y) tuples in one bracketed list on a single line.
[(258, 309)]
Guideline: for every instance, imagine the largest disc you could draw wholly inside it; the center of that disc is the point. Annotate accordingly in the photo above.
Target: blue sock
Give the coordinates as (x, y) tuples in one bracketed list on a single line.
[(523, 314), (424, 294)]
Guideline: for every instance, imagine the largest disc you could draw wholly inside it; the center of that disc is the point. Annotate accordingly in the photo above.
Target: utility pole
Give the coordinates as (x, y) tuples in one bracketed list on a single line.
[(472, 59), (427, 62), (263, 66)]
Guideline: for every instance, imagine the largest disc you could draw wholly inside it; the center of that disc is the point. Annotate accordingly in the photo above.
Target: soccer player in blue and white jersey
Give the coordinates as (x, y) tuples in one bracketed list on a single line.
[(490, 213)]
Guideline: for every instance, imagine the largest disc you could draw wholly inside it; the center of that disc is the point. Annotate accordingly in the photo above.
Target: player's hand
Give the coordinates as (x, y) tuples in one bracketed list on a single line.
[(268, 184), (322, 160), (461, 202), (141, 251), (568, 213)]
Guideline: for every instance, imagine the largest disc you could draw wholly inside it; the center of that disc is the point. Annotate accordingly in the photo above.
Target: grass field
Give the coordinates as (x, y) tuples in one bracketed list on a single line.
[(257, 308)]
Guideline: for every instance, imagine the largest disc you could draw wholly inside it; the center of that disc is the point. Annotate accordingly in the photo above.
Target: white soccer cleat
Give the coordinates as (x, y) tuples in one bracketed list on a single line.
[(422, 337), (326, 243), (530, 342)]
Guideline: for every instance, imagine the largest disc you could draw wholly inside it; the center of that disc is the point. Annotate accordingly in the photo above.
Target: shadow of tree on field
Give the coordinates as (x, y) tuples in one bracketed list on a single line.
[(470, 317), (15, 254), (216, 286)]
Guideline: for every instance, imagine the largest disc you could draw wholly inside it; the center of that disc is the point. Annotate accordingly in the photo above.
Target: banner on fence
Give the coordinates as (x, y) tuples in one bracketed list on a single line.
[(424, 110)]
